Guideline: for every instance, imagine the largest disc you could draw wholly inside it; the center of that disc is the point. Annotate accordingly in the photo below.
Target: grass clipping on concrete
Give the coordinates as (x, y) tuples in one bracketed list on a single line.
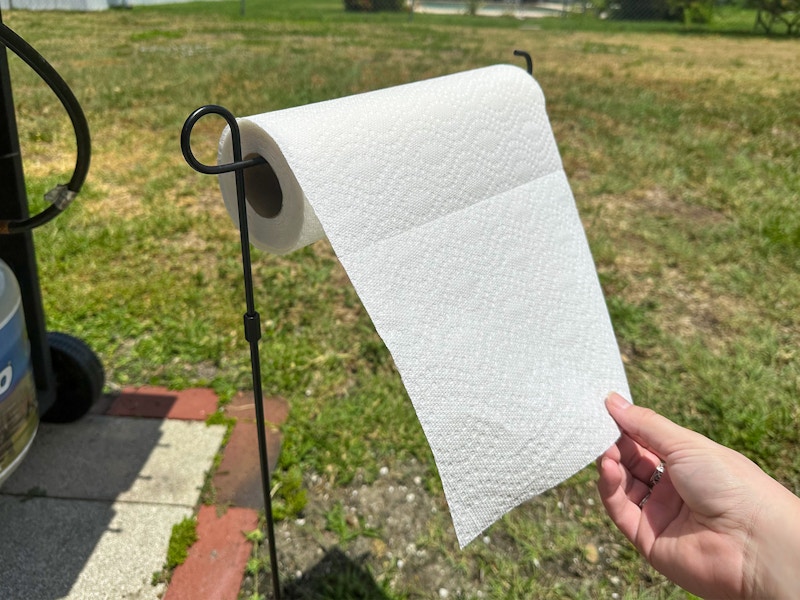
[(682, 151)]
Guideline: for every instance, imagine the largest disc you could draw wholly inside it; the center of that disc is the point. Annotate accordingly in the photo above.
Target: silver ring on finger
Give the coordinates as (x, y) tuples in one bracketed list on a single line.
[(657, 474)]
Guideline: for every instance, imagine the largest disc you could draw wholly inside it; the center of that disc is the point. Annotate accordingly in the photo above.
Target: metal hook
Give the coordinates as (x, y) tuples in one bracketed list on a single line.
[(528, 60), (186, 144)]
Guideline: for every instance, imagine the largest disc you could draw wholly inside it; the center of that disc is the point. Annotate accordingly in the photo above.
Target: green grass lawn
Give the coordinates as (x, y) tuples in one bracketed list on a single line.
[(682, 148)]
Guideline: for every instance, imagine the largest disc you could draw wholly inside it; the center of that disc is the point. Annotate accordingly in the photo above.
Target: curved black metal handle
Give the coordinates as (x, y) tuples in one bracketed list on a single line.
[(62, 195), (528, 60), (186, 143)]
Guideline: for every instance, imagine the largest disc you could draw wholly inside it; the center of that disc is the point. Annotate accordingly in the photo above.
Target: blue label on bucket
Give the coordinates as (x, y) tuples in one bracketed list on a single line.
[(14, 354)]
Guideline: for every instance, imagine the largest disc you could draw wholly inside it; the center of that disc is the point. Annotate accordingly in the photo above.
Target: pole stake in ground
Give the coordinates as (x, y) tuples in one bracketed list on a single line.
[(252, 320)]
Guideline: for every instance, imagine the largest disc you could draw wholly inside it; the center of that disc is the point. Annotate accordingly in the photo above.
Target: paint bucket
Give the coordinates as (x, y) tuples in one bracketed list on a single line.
[(19, 418)]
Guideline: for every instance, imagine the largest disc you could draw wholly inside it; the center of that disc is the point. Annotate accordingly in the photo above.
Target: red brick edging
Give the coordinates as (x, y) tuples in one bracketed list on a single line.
[(215, 564)]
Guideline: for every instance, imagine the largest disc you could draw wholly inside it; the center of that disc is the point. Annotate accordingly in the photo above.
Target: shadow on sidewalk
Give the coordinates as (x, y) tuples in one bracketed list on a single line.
[(84, 490)]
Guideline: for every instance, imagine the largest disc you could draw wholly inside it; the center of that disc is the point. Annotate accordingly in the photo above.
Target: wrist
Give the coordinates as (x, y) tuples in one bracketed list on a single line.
[(774, 557)]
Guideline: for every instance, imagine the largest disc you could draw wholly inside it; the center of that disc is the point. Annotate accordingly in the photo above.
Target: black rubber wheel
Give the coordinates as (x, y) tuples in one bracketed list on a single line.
[(79, 378)]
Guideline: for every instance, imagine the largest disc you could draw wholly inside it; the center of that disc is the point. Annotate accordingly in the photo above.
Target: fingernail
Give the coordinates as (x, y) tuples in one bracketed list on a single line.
[(614, 400)]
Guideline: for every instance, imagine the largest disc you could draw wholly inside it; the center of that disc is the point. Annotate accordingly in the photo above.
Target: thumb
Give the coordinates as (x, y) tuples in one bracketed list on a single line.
[(651, 430)]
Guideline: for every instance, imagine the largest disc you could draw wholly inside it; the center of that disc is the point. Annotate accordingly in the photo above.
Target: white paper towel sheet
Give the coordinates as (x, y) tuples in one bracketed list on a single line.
[(447, 204)]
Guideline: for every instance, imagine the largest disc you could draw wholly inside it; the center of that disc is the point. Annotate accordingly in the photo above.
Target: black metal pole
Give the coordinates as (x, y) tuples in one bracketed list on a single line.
[(252, 333), (252, 320)]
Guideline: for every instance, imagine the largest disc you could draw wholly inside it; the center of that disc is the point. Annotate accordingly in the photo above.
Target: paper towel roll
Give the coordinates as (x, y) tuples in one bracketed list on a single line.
[(447, 204)]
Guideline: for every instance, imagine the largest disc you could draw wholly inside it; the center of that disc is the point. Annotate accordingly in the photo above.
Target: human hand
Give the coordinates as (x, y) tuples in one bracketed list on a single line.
[(715, 523)]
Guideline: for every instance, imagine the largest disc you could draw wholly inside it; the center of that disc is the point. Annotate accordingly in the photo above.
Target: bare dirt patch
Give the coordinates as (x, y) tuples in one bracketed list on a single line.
[(393, 538), (375, 533)]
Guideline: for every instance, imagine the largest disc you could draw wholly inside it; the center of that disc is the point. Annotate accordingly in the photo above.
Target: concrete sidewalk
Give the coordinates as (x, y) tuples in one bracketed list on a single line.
[(89, 512)]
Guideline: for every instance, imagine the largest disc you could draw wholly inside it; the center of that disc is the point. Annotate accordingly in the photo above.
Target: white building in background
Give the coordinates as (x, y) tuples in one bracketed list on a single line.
[(81, 5), (54, 4)]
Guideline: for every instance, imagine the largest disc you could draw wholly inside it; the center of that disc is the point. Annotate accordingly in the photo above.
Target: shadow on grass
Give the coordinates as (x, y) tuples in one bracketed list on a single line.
[(335, 576)]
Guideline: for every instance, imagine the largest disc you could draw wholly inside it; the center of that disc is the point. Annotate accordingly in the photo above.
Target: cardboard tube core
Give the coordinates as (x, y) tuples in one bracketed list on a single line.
[(263, 190)]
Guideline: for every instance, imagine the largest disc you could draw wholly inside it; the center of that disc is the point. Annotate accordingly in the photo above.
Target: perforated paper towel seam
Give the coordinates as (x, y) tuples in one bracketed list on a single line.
[(447, 205)]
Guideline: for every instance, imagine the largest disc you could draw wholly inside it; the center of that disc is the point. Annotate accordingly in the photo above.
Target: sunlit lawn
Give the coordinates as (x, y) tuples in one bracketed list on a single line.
[(682, 150)]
